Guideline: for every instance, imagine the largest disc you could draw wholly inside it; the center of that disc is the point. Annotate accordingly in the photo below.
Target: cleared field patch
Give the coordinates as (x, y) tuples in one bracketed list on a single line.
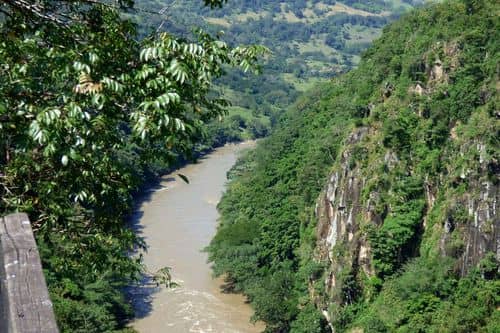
[(313, 13), (302, 85), (249, 15), (218, 21), (341, 8), (227, 21), (316, 44), (319, 11), (289, 17), (361, 34)]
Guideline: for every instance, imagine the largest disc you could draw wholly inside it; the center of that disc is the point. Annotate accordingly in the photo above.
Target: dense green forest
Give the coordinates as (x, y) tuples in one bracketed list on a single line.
[(310, 41), (95, 101), (408, 144), (90, 110)]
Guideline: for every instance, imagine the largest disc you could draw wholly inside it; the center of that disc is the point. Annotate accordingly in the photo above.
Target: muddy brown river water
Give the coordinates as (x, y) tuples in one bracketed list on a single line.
[(177, 221)]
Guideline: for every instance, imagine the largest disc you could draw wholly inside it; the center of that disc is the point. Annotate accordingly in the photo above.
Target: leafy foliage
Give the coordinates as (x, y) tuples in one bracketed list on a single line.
[(87, 113)]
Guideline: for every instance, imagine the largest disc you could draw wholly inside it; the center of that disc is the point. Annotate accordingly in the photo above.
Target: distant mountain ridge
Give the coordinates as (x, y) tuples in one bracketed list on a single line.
[(311, 42)]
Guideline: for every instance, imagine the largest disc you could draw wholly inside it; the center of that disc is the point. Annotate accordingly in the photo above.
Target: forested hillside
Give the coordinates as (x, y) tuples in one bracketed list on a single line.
[(373, 206), (310, 41), (93, 105)]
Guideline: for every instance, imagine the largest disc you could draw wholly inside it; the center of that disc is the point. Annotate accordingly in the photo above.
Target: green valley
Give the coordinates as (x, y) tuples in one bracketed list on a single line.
[(372, 207), (310, 42), (370, 203)]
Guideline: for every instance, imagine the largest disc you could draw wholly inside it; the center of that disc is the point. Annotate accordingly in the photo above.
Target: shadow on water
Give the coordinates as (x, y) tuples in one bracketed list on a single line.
[(140, 294), (228, 286)]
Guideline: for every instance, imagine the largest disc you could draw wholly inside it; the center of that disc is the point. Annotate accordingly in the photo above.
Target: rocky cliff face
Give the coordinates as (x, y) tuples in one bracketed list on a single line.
[(338, 211), (365, 201), (341, 245), (471, 229), (467, 227)]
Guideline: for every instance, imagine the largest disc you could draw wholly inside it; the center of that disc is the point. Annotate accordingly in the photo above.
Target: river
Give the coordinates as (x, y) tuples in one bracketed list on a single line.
[(177, 220)]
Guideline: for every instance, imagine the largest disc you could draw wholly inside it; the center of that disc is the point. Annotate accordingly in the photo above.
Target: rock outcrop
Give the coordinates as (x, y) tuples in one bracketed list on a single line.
[(460, 199)]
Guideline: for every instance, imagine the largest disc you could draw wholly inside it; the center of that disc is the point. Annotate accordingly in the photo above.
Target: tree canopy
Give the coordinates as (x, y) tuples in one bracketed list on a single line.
[(87, 111)]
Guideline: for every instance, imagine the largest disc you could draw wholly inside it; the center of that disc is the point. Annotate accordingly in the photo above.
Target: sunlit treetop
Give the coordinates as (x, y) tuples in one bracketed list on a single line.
[(78, 83)]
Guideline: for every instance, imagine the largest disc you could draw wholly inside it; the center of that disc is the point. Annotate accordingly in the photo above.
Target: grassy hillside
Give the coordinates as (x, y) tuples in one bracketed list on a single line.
[(405, 127), (310, 41)]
